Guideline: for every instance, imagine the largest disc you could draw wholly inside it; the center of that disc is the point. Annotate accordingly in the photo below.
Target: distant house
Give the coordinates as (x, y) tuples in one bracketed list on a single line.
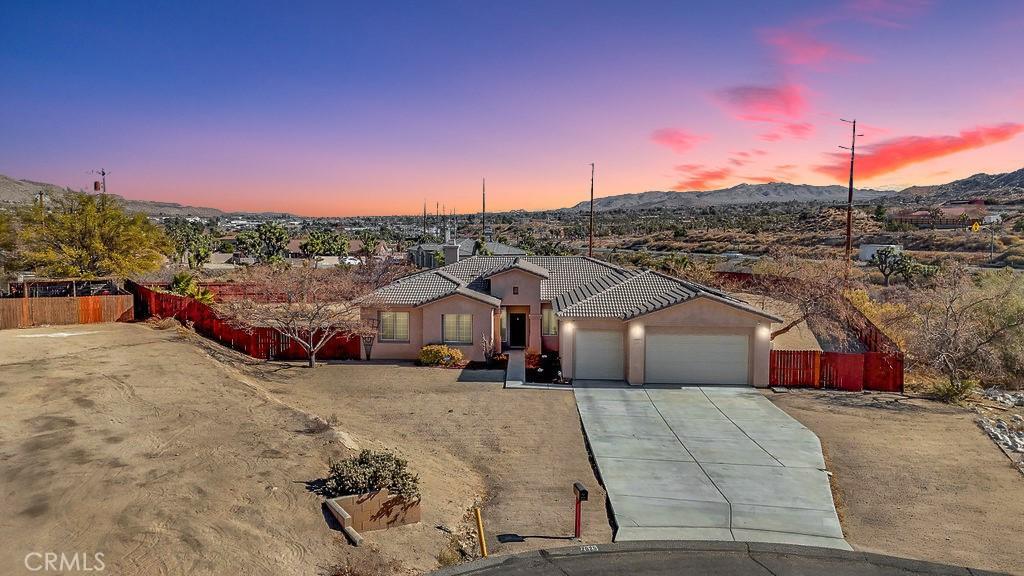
[(604, 321), (432, 255), (942, 216), (867, 251)]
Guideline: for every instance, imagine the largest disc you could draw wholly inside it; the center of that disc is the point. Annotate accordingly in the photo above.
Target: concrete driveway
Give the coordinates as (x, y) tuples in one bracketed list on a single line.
[(707, 463)]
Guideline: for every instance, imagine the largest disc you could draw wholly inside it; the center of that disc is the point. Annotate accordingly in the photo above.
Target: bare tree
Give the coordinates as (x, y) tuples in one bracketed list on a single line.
[(966, 326), (815, 287), (308, 305)]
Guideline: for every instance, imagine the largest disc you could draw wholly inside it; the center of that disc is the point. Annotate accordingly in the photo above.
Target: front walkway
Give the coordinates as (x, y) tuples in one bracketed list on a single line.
[(515, 373), (707, 463)]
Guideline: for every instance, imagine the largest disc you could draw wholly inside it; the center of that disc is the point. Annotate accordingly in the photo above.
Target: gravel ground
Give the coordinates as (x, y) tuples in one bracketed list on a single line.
[(917, 478)]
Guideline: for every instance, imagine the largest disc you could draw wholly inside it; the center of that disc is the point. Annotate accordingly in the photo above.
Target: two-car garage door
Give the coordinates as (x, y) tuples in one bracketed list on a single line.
[(670, 357), (682, 358)]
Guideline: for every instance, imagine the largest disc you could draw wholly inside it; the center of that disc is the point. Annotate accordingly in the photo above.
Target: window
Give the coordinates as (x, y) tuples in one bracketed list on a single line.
[(515, 289), (457, 328), (549, 323), (393, 326), (504, 324)]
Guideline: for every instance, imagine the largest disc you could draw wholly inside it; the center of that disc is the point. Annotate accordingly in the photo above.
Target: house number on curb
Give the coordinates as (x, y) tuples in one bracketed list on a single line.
[(588, 548)]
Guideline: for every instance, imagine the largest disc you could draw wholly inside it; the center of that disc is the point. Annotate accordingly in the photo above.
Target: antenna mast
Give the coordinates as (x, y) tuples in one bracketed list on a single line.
[(591, 251), (103, 176), (483, 226)]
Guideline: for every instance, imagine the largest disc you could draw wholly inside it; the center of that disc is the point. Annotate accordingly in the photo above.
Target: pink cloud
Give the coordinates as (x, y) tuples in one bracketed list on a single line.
[(891, 155), (675, 139), (798, 129), (765, 103), (701, 178), (800, 49), (770, 137)]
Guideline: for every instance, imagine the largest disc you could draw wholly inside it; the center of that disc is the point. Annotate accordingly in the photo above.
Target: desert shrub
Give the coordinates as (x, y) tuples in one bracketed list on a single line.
[(440, 355), (371, 471), (451, 553), (954, 390), (365, 566)]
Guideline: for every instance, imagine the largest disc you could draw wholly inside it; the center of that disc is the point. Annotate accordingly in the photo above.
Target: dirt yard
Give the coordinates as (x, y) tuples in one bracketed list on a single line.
[(172, 456), (917, 478)]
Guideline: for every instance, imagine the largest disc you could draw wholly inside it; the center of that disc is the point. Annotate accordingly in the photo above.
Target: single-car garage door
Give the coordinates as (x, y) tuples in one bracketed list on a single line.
[(599, 355), (677, 358)]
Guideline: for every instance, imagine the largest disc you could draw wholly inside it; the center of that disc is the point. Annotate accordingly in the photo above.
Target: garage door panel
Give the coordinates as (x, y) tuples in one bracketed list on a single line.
[(599, 355), (686, 358)]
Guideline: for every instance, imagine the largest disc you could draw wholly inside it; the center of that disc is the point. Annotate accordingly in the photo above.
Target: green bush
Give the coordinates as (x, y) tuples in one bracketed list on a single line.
[(185, 284), (440, 355), (371, 471)]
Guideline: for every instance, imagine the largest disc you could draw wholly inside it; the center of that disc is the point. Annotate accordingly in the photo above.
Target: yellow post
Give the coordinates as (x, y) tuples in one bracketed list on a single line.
[(480, 533)]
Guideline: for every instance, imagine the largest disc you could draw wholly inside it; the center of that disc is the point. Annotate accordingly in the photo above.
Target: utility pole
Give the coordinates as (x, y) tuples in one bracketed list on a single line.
[(591, 250), (424, 217), (483, 222), (849, 202)]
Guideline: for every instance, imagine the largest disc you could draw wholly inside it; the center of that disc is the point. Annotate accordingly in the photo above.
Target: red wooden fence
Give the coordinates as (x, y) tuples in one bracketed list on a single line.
[(867, 371), (257, 341)]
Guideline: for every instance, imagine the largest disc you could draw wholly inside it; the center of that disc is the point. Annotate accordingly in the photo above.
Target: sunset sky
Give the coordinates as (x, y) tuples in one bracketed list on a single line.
[(343, 108)]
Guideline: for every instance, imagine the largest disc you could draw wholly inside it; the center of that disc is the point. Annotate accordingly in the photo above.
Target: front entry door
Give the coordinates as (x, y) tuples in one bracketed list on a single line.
[(517, 330)]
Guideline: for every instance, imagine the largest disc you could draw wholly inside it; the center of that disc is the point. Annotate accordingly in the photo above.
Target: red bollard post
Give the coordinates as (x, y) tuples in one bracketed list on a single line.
[(581, 494)]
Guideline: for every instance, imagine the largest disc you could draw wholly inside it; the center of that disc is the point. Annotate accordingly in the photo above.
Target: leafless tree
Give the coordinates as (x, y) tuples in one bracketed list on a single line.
[(308, 305), (815, 287), (966, 326)]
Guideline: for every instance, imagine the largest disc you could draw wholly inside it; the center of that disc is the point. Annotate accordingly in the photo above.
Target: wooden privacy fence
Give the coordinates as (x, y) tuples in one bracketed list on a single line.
[(257, 341), (881, 371), (25, 312)]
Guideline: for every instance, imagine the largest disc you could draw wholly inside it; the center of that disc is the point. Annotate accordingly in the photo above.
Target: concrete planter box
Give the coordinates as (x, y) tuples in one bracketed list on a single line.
[(378, 510)]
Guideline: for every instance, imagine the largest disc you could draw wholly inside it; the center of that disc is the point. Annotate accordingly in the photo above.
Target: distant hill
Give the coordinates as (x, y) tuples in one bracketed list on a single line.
[(739, 194), (21, 192), (1003, 186)]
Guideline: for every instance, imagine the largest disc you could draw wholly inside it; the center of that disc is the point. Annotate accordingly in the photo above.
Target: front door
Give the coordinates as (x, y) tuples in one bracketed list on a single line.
[(517, 330)]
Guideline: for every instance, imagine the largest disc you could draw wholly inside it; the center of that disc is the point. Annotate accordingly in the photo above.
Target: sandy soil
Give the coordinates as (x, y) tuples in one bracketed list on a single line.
[(518, 450), (173, 456), (917, 478)]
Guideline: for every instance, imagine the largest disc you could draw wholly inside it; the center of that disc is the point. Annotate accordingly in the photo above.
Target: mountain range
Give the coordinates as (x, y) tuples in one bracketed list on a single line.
[(1007, 187)]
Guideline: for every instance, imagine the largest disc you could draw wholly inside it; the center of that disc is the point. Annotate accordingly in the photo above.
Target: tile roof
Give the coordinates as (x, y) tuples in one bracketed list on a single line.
[(524, 265), (645, 292), (577, 286)]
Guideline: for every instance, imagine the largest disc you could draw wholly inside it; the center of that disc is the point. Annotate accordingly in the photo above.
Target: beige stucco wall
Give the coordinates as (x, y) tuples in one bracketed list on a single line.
[(701, 315), (483, 322), (398, 350), (425, 328), (529, 296)]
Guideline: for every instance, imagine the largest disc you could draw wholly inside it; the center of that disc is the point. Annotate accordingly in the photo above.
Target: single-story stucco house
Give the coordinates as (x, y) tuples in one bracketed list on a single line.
[(606, 322)]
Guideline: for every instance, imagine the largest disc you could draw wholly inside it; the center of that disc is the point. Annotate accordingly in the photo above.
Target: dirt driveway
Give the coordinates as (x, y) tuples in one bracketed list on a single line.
[(140, 444), (917, 478)]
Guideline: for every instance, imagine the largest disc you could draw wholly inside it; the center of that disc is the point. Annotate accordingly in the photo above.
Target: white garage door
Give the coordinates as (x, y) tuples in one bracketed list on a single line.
[(673, 358), (599, 355)]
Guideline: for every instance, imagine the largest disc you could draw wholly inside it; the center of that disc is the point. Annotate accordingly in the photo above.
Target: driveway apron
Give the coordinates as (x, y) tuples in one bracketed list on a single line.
[(707, 463)]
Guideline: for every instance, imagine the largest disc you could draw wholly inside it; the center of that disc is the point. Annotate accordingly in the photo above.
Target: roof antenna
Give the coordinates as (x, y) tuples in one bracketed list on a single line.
[(483, 226)]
